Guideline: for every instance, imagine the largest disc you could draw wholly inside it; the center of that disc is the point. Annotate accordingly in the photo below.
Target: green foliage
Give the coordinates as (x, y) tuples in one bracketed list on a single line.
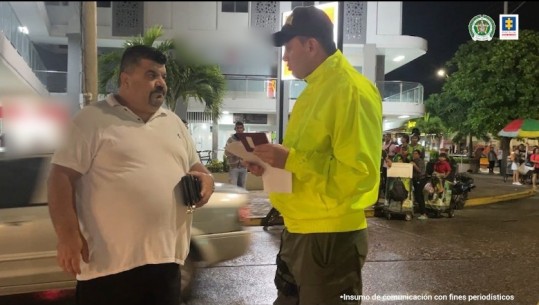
[(433, 155), (463, 160), (215, 166), (187, 75), (493, 83), (431, 125), (226, 167)]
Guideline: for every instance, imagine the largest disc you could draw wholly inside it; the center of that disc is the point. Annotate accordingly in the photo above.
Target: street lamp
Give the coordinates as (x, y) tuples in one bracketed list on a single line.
[(442, 73)]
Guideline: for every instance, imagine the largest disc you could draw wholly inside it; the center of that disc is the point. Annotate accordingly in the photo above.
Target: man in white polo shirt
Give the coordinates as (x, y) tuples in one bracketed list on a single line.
[(113, 191)]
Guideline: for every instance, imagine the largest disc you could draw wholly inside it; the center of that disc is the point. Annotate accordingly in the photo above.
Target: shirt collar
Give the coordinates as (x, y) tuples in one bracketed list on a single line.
[(330, 63), (113, 102)]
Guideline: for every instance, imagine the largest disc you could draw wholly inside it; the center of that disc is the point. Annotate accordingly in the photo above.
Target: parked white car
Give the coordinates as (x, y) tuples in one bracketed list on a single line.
[(28, 241)]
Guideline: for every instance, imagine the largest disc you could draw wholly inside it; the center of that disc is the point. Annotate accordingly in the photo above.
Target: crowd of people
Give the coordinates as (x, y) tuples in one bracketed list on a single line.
[(411, 151), (521, 161)]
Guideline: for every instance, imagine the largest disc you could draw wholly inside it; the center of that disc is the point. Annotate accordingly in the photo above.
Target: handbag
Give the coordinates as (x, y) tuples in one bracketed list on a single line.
[(190, 188)]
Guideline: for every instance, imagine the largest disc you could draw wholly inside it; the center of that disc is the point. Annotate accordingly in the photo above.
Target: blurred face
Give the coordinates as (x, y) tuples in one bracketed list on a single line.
[(387, 138), (414, 140), (416, 155), (297, 55), (239, 129), (145, 84)]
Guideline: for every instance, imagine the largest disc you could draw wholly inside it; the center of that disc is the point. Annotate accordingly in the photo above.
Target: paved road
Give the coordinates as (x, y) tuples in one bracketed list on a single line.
[(491, 249), (485, 251)]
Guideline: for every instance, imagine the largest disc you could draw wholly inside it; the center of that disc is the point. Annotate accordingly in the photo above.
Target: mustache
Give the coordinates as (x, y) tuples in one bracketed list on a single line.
[(160, 90)]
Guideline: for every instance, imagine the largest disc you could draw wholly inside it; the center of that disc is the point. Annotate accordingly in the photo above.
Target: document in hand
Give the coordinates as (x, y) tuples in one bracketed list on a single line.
[(252, 139), (275, 179)]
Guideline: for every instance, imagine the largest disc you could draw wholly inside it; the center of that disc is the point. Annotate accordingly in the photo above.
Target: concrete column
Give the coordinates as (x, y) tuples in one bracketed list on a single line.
[(369, 61), (74, 67), (283, 87)]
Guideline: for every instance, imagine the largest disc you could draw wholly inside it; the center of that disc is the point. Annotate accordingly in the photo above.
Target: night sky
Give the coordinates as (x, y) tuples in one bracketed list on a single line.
[(445, 27)]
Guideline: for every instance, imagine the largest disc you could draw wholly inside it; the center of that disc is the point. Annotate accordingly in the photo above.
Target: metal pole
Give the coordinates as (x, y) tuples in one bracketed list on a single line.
[(340, 25), (89, 23), (505, 7)]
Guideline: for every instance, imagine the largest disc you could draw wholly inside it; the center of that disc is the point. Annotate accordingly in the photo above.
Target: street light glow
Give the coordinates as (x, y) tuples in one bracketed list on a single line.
[(441, 73)]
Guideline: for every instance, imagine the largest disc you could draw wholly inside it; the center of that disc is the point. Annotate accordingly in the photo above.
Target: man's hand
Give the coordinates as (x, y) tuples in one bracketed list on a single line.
[(208, 186), (255, 168), (70, 250), (273, 154)]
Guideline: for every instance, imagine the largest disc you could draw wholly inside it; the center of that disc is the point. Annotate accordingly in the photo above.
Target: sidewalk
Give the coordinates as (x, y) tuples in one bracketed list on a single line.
[(490, 188)]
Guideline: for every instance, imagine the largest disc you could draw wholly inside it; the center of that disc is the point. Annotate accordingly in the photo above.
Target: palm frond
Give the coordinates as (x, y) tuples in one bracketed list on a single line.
[(187, 76)]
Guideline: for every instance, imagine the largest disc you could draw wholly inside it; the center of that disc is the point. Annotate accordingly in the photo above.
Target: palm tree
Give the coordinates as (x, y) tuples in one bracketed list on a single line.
[(432, 126), (187, 76)]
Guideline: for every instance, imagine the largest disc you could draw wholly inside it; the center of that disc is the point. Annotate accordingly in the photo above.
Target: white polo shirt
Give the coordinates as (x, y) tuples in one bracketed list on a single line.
[(128, 202)]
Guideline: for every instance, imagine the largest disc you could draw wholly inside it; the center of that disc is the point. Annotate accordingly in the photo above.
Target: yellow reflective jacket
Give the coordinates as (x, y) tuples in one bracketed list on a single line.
[(334, 137)]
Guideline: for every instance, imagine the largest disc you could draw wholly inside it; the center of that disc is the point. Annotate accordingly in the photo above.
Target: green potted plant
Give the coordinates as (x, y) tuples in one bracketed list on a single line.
[(215, 166)]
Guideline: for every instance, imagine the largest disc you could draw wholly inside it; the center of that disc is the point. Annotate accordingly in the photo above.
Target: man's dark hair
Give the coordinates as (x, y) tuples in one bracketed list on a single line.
[(239, 123), (134, 54)]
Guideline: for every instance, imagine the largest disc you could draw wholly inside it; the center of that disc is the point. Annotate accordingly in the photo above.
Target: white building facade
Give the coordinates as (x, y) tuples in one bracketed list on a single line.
[(234, 35)]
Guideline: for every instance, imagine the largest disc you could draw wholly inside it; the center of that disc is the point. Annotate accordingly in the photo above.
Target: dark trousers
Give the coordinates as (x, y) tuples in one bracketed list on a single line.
[(383, 181), (491, 165), (419, 185), (148, 284), (320, 268)]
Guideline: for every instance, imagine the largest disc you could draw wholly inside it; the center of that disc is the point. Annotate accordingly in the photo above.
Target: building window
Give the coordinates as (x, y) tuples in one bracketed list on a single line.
[(103, 4), (235, 6), (302, 3)]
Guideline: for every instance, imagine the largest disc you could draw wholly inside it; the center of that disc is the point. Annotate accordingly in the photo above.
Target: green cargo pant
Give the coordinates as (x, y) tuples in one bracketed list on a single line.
[(320, 268)]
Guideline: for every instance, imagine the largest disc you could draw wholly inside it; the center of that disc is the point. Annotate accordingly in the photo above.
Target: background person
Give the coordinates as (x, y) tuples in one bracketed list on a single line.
[(389, 149), (414, 144), (419, 181), (332, 148), (237, 172), (515, 163), (122, 160), (534, 159), (492, 158)]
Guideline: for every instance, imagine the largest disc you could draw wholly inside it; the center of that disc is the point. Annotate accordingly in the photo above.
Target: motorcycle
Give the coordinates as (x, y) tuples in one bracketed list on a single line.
[(452, 196), (462, 185)]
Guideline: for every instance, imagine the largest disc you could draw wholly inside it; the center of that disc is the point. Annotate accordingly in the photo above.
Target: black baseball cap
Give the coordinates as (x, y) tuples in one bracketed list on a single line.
[(307, 21)]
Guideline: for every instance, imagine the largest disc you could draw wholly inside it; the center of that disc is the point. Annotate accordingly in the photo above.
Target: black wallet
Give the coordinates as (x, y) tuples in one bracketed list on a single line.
[(190, 186)]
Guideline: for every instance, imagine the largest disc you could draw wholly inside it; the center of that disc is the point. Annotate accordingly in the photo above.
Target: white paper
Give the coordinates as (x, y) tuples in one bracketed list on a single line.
[(275, 179)]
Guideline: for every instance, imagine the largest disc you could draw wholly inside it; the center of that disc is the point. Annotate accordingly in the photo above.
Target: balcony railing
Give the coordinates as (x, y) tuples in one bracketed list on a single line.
[(401, 92), (11, 27), (55, 81), (248, 86), (261, 87)]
